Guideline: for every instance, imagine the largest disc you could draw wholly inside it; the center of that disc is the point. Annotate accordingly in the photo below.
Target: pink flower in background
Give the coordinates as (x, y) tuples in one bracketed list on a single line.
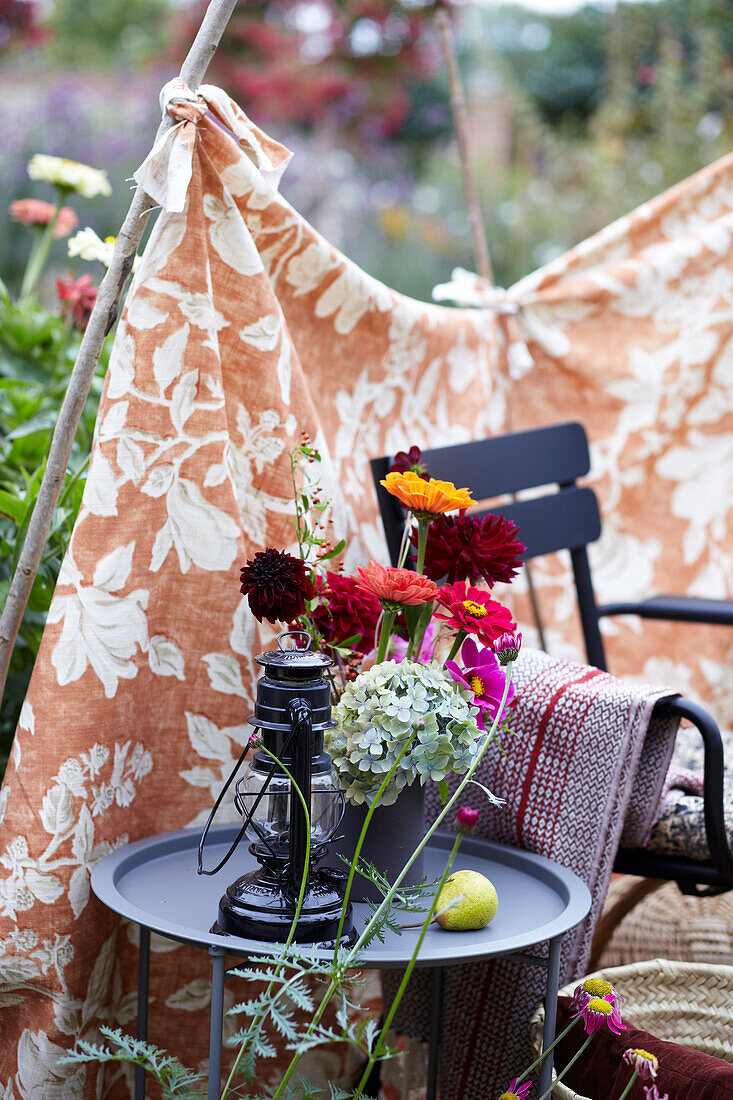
[(507, 647), (39, 213), (593, 987), (81, 294), (651, 1092), (398, 648), (644, 1064), (483, 676)]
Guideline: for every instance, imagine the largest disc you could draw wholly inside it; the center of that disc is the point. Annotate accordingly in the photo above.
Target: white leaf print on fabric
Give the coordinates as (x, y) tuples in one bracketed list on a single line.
[(704, 493), (183, 402), (40, 1076), (131, 460), (168, 358), (27, 719), (57, 810), (260, 448), (159, 480), (100, 492), (350, 296), (167, 234), (193, 997), (230, 238), (114, 421), (165, 658), (202, 534), (113, 570), (225, 674), (143, 314), (308, 269), (262, 334), (121, 372), (213, 743), (99, 629), (198, 308), (285, 365)]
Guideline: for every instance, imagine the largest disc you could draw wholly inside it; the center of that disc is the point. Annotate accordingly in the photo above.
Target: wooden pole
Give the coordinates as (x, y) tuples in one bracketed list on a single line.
[(475, 218), (103, 316)]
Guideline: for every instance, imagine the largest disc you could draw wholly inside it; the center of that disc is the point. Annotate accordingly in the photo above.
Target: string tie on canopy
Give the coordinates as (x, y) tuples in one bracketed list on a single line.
[(470, 290)]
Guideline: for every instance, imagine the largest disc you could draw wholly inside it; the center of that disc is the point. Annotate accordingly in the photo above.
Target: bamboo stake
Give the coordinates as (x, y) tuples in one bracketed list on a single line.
[(475, 218), (103, 316)]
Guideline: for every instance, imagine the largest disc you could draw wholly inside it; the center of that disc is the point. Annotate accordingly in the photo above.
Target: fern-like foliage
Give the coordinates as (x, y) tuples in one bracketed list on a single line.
[(177, 1082)]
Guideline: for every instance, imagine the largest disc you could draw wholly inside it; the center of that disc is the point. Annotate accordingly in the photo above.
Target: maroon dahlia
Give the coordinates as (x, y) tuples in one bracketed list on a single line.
[(345, 610), (464, 548), (409, 460), (276, 585)]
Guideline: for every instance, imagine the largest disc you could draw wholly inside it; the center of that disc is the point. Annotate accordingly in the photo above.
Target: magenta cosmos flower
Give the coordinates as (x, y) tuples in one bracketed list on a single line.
[(517, 1091), (651, 1092), (600, 1012), (483, 676)]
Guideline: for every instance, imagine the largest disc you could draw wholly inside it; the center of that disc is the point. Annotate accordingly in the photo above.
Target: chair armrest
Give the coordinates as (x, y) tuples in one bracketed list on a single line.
[(682, 609), (713, 782)]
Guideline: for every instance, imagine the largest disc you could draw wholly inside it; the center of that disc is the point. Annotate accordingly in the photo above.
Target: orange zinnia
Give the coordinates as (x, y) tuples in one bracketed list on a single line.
[(395, 587), (426, 498)]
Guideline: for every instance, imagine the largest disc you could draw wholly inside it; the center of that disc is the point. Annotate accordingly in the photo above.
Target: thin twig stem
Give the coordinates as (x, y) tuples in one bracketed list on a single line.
[(103, 316)]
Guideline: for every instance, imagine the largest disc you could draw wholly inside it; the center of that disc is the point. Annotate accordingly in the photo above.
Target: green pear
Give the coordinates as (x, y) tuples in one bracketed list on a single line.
[(478, 905)]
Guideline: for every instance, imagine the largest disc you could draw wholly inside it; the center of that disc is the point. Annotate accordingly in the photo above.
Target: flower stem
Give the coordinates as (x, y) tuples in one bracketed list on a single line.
[(422, 542), (571, 1063), (405, 544), (39, 254), (543, 1053), (627, 1090), (349, 961), (388, 620), (458, 642), (378, 1047), (293, 924)]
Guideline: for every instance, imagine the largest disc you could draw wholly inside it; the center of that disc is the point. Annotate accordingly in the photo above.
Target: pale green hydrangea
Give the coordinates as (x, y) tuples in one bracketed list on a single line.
[(396, 703)]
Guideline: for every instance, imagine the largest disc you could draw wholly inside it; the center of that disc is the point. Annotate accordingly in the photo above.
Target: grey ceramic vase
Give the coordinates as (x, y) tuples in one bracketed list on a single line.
[(393, 834)]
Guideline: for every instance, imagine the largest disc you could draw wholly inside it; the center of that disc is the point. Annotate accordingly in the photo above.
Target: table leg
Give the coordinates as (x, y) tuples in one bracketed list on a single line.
[(217, 1022), (143, 976), (548, 1035), (436, 1015)]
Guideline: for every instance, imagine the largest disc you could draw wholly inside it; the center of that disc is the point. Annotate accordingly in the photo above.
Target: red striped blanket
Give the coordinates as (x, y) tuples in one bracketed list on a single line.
[(584, 770)]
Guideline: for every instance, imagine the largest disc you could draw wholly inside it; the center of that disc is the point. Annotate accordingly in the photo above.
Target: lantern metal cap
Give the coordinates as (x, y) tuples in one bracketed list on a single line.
[(300, 660)]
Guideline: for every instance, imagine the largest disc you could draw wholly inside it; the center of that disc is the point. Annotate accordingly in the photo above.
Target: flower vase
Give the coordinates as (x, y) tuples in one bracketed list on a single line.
[(393, 835)]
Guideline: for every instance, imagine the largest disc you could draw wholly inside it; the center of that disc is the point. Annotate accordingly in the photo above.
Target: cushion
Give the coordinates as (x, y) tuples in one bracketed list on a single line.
[(601, 1073)]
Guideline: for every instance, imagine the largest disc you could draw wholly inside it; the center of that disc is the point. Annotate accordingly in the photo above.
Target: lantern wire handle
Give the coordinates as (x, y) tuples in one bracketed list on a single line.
[(273, 768), (291, 634)]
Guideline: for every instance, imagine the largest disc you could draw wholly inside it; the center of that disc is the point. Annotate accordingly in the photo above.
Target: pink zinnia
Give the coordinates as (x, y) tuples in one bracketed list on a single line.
[(482, 676), (600, 1012), (40, 213), (473, 610), (395, 587)]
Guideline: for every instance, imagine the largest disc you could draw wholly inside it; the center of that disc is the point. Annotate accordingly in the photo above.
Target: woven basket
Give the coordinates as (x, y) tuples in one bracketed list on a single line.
[(686, 1003)]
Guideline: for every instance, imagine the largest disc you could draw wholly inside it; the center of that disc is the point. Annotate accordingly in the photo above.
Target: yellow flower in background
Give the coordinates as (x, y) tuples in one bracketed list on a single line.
[(69, 175), (395, 221)]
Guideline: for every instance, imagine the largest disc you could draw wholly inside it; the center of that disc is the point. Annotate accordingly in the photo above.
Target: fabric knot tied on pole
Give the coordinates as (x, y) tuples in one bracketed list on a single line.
[(467, 289)]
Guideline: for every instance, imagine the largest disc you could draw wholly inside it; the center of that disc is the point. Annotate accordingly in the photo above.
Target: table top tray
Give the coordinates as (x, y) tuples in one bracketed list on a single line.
[(154, 882)]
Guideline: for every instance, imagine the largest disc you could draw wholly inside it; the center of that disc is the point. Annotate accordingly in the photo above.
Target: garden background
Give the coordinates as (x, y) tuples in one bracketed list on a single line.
[(576, 118)]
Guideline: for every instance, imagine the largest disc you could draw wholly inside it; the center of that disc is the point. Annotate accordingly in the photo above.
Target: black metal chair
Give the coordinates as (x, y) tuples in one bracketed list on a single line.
[(569, 519)]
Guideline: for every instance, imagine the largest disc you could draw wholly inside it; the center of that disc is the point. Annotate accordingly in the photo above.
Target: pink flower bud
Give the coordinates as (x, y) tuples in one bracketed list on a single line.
[(466, 819), (507, 646)]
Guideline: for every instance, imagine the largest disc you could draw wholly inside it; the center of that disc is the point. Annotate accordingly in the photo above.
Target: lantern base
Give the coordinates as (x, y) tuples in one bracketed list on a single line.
[(257, 908)]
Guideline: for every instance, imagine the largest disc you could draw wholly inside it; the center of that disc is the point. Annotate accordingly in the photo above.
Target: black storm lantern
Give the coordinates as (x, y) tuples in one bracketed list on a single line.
[(293, 709)]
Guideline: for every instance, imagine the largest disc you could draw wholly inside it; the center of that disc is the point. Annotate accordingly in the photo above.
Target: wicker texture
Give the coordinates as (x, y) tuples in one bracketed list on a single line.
[(670, 925), (686, 1003)]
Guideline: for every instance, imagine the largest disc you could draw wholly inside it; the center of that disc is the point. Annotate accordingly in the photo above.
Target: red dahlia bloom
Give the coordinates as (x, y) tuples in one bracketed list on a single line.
[(346, 609), (473, 610), (276, 586), (409, 460), (464, 548)]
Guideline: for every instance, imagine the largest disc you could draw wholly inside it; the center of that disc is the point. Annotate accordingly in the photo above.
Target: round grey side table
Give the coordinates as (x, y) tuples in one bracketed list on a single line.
[(154, 883)]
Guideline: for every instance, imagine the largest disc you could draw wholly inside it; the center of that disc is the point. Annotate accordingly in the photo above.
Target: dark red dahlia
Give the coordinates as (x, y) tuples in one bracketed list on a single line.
[(409, 460), (345, 610), (276, 585), (464, 548)]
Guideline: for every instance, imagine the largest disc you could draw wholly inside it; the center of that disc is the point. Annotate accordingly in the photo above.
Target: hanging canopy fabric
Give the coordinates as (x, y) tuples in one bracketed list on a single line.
[(243, 328)]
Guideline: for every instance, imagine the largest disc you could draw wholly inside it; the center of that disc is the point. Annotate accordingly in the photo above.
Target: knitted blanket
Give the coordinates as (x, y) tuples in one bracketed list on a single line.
[(583, 772)]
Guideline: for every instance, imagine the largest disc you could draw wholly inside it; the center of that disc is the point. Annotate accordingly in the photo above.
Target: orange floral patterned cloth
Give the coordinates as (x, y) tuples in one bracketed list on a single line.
[(242, 328)]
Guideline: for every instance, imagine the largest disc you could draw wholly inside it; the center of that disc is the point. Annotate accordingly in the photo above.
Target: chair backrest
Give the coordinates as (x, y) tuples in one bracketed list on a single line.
[(566, 519)]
